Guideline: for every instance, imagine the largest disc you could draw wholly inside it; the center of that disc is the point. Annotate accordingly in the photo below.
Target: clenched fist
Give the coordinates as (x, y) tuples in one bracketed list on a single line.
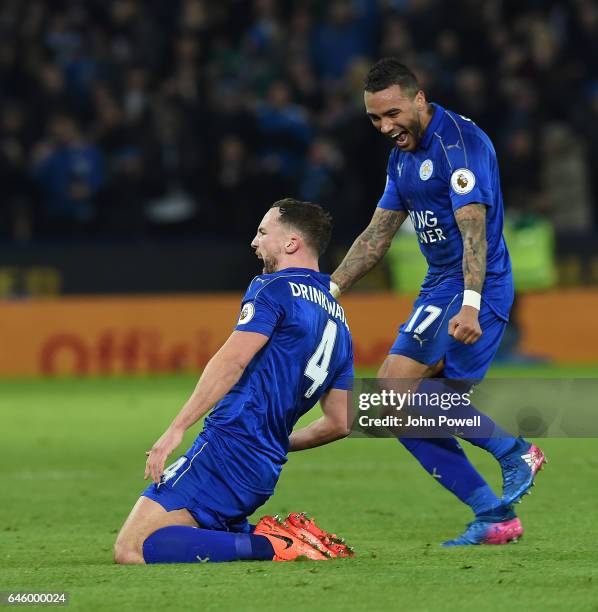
[(464, 326)]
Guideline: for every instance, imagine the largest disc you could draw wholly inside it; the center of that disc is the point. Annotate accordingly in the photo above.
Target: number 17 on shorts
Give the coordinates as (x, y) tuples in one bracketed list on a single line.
[(424, 336)]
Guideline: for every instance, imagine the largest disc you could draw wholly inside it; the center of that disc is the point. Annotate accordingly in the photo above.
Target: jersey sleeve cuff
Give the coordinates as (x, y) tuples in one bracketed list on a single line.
[(484, 198), (343, 384), (260, 328), (389, 206)]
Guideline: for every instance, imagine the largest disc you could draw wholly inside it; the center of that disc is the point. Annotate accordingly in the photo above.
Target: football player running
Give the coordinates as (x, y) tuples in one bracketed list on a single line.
[(443, 174)]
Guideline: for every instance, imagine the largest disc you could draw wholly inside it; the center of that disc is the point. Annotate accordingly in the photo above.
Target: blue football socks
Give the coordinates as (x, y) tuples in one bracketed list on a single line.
[(497, 446), (183, 544), (487, 434), (483, 502), (445, 460)]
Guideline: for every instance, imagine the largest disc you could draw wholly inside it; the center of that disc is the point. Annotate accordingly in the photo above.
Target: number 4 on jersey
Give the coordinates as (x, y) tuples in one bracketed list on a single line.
[(317, 366)]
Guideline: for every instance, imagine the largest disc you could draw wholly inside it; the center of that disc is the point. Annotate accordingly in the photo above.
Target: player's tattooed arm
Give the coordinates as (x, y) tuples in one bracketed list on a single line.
[(369, 247), (471, 220)]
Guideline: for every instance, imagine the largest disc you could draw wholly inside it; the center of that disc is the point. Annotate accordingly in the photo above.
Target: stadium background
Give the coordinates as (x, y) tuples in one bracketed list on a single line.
[(140, 143)]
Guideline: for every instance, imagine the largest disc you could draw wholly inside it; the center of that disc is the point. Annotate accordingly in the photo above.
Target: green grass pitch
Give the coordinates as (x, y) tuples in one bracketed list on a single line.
[(72, 465)]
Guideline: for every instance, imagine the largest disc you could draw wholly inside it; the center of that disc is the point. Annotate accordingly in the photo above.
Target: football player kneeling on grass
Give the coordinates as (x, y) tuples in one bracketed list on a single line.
[(290, 349)]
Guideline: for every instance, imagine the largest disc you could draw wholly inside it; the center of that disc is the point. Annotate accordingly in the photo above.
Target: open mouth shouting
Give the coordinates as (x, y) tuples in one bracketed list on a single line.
[(400, 137)]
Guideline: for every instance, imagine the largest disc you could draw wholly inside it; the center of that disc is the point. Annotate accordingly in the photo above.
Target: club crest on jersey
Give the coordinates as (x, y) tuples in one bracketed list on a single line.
[(462, 180), (426, 169), (246, 313)]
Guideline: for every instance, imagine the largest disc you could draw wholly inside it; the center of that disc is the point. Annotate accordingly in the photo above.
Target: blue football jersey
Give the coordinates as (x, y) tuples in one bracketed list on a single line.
[(308, 352), (454, 165)]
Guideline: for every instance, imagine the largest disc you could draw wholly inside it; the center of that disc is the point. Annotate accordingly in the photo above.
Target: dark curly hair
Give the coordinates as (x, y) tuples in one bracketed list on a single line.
[(390, 71)]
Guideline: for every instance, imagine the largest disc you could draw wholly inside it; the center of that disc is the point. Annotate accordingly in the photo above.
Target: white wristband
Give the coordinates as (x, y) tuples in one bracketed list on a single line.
[(334, 289), (472, 298)]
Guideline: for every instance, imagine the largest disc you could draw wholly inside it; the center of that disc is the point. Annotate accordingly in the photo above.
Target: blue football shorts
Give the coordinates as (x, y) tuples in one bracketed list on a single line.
[(195, 482), (424, 336)]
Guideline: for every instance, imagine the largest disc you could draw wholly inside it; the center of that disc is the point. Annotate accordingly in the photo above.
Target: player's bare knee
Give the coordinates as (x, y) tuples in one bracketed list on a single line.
[(126, 553), (402, 367), (128, 558), (126, 549), (385, 369)]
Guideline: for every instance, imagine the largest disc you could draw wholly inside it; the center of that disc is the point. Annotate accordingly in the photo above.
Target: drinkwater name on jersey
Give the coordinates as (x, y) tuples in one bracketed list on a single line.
[(425, 223), (315, 295)]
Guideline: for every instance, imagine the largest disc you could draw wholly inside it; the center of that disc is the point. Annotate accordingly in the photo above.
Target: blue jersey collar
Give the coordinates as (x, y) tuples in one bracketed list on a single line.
[(432, 126), (287, 270), (320, 276)]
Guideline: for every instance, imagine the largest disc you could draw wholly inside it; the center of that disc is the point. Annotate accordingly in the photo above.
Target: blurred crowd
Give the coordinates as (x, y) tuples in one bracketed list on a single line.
[(135, 118)]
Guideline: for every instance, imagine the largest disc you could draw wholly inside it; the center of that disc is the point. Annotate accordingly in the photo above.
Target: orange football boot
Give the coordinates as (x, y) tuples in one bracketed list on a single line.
[(287, 545), (335, 545)]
